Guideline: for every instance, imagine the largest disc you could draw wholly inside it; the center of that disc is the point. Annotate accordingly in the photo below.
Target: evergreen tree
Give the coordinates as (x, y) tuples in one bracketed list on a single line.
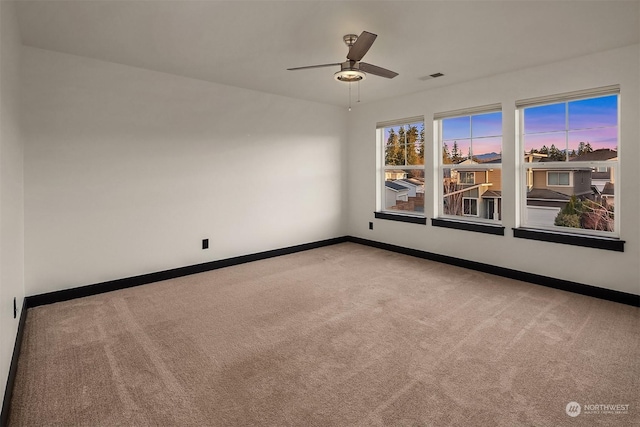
[(402, 152), (556, 154), (446, 156), (413, 142), (392, 148), (455, 153), (570, 215), (581, 148), (421, 149)]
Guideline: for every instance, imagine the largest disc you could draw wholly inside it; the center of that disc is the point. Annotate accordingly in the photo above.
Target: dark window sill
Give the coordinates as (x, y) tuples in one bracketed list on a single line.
[(497, 230), (597, 242), (402, 218)]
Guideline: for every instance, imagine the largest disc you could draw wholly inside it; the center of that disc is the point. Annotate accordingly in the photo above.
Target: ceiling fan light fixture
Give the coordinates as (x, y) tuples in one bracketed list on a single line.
[(349, 76)]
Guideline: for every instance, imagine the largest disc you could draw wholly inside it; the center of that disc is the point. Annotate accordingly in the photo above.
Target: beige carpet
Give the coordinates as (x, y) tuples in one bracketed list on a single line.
[(345, 335)]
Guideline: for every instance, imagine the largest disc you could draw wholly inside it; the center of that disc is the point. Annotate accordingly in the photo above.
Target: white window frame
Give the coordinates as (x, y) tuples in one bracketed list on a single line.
[(437, 138), (383, 168), (561, 166)]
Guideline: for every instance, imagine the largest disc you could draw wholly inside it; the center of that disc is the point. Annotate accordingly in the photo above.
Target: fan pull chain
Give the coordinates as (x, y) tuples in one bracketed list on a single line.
[(358, 90), (349, 96)]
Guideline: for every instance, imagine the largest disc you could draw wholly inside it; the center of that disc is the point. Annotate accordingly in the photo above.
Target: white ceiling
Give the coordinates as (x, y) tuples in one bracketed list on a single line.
[(250, 44)]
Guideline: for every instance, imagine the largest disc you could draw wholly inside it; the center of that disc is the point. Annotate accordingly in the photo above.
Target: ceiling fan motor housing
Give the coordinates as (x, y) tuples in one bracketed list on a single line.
[(349, 72), (350, 39)]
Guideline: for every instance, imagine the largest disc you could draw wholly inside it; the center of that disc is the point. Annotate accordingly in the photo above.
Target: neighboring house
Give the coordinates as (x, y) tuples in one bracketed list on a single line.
[(392, 175), (549, 190), (395, 193), (554, 187), (601, 176), (415, 186), (481, 195), (608, 194), (570, 182)]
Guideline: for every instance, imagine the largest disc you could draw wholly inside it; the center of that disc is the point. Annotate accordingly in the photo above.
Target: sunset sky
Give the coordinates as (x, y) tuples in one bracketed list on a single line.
[(592, 120), (565, 125)]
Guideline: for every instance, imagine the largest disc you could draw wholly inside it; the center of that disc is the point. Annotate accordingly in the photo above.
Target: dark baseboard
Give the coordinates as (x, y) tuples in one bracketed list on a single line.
[(114, 285), (13, 368), (565, 285)]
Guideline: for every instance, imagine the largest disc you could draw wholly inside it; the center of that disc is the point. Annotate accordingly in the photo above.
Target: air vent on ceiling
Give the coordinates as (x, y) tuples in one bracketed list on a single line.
[(431, 76)]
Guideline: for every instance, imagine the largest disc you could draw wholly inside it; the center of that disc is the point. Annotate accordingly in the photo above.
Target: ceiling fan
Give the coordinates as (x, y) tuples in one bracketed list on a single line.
[(352, 70)]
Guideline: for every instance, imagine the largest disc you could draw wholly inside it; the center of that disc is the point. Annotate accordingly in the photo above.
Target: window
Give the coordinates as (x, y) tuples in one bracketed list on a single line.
[(401, 181), (470, 206), (558, 178), (570, 147), (470, 163), (467, 177)]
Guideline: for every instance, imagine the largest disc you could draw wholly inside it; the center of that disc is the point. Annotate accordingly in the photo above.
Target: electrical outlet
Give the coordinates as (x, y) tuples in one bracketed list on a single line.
[(370, 226), (205, 243), (15, 308)]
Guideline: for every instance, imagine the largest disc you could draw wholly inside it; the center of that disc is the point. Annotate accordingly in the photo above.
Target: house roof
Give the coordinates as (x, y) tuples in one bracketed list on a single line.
[(407, 181), (608, 189), (493, 161), (601, 175), (492, 194), (597, 155), (394, 186), (413, 181), (545, 194)]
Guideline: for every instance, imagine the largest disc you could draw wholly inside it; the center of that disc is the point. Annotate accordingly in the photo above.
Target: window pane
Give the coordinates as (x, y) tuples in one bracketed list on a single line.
[(594, 112), (563, 178), (474, 193), (464, 189), (452, 192), (415, 145), (455, 151), (482, 190), (404, 145), (466, 177), (456, 128), (550, 145), (394, 152), (470, 207), (404, 190), (487, 149), (558, 178), (489, 124), (546, 118), (587, 205), (587, 141)]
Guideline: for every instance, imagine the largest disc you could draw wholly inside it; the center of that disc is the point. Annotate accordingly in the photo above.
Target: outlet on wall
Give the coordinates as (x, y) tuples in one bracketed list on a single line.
[(205, 243), (370, 226), (15, 308)]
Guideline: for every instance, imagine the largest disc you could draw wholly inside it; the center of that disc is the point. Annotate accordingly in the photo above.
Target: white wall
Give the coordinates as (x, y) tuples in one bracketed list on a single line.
[(127, 170), (11, 188), (606, 269)]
